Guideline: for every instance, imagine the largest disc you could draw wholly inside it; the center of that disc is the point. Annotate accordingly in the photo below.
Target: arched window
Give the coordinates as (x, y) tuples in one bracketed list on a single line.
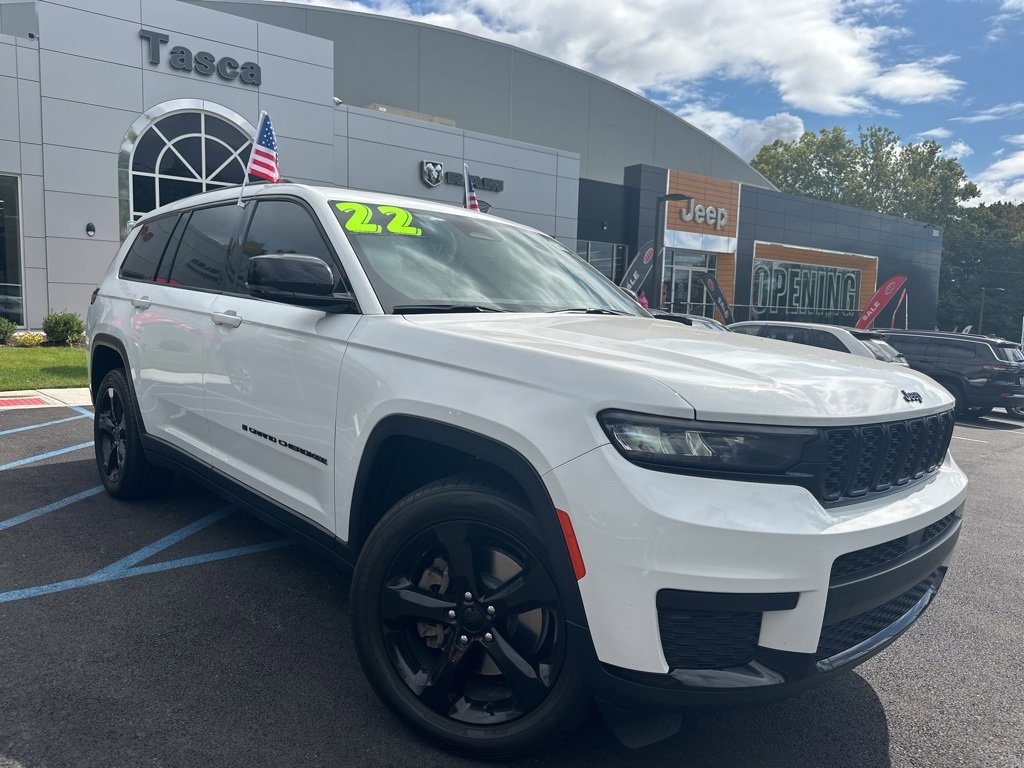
[(178, 149)]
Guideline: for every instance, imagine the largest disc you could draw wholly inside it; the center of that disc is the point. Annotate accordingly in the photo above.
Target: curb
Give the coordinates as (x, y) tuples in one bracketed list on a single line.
[(45, 398)]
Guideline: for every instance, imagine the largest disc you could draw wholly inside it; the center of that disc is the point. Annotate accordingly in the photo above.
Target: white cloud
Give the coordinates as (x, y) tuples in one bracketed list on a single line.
[(742, 135), (827, 56), (936, 133), (1017, 138), (958, 148), (998, 112), (1003, 180)]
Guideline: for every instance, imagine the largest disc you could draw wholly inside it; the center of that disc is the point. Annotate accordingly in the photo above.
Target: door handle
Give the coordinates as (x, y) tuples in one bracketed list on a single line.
[(142, 303), (229, 318)]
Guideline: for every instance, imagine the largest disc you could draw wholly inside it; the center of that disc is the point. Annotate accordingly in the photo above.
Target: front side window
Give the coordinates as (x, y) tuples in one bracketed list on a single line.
[(202, 257), (11, 306), (281, 226), (426, 259)]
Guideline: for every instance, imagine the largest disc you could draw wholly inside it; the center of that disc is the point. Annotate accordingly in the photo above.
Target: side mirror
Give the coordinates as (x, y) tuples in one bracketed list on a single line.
[(294, 278)]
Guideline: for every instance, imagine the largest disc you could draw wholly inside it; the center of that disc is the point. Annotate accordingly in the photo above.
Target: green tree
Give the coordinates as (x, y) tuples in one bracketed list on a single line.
[(876, 172)]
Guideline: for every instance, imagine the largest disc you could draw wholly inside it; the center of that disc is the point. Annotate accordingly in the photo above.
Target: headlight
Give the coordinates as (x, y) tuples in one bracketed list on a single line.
[(694, 445)]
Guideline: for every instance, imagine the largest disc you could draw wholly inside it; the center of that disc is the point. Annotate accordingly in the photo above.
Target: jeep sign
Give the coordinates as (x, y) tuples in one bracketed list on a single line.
[(704, 214)]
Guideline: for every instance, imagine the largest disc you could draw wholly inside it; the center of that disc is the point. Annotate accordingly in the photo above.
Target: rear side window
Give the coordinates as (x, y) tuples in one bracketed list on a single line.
[(1009, 354), (202, 258), (147, 249), (952, 349), (749, 330), (908, 345)]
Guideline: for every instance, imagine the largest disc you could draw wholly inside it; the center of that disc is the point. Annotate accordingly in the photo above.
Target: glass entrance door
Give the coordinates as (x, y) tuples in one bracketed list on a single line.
[(687, 294)]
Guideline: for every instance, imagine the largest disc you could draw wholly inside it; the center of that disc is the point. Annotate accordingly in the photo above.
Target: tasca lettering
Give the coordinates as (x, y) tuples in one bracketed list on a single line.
[(202, 62), (704, 214)]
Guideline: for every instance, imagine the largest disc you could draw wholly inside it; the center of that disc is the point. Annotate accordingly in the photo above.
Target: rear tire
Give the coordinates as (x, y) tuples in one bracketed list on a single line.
[(1016, 413), (120, 459), (459, 624)]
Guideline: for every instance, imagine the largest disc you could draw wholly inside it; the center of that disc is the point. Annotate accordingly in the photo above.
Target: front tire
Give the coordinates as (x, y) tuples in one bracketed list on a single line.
[(120, 459), (1016, 413), (459, 624)]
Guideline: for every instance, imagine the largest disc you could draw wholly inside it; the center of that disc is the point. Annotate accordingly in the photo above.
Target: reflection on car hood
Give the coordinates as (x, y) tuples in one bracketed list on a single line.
[(722, 376)]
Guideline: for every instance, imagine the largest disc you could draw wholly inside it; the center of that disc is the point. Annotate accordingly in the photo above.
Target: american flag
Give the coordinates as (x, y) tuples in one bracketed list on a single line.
[(263, 158), (469, 191)]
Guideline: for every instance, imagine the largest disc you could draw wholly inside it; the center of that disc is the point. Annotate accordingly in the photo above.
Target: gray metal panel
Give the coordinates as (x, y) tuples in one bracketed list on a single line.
[(28, 108), (565, 227), (299, 119), (91, 35), (71, 124), (71, 297), (28, 63), (341, 121), (217, 27), (35, 298), (294, 45), (18, 19), (296, 80), (387, 168), (429, 138), (536, 160), (31, 158), (341, 161), (158, 88), (549, 103), (35, 252), (78, 260), (461, 75), (306, 160), (90, 81), (119, 9), (10, 156), (9, 117), (84, 171), (67, 214), (567, 197), (621, 132), (8, 60), (569, 165), (32, 224)]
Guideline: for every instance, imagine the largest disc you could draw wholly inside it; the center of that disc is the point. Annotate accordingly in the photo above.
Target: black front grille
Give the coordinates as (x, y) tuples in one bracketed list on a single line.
[(708, 639), (877, 457), (844, 635), (869, 558)]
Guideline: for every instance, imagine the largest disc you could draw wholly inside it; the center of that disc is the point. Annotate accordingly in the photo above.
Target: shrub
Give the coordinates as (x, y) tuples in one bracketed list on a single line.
[(7, 329), (63, 327), (29, 339)]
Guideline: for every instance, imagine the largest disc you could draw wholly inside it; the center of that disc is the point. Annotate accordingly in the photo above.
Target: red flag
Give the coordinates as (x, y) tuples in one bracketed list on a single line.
[(877, 302)]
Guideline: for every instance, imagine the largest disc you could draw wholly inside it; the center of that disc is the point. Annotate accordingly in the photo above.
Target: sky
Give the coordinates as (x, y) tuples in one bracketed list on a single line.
[(751, 71)]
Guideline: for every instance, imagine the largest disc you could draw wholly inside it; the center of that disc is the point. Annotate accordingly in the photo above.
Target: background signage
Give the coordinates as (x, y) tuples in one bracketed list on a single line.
[(783, 290), (202, 62)]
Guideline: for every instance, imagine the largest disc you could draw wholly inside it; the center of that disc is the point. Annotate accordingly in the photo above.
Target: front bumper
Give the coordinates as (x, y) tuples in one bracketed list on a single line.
[(702, 590)]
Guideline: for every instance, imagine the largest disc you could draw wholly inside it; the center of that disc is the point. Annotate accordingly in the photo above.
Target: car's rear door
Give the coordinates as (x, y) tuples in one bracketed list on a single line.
[(272, 371)]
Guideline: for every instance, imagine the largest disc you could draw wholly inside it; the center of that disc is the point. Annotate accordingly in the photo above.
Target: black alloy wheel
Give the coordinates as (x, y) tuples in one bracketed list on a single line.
[(120, 459), (1017, 412), (459, 622)]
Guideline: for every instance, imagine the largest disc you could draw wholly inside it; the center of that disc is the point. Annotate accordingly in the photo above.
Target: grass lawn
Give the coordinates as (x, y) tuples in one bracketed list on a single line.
[(42, 368)]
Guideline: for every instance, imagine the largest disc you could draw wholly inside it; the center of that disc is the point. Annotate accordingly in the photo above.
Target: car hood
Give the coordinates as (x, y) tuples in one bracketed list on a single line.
[(720, 376)]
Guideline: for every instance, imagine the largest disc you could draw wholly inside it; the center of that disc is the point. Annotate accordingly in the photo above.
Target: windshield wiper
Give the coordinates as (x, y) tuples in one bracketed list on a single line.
[(427, 309), (588, 311)]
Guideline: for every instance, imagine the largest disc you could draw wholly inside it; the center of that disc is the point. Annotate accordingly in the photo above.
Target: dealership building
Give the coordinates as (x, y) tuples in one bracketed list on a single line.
[(110, 108)]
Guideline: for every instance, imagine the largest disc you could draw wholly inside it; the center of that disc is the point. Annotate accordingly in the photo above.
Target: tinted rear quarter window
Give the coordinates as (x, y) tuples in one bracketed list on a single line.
[(202, 258), (143, 257), (908, 345)]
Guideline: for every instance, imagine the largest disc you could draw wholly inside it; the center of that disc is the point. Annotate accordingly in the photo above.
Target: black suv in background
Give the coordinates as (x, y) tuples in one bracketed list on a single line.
[(981, 372)]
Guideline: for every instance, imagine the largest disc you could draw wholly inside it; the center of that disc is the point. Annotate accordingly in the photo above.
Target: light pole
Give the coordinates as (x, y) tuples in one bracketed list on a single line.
[(981, 309), (661, 207)]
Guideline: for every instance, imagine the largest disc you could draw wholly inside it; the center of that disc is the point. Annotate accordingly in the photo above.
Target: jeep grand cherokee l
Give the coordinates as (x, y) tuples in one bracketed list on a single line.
[(544, 493)]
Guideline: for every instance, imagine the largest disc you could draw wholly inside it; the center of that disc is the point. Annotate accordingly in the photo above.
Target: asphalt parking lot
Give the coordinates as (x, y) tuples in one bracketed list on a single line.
[(182, 632)]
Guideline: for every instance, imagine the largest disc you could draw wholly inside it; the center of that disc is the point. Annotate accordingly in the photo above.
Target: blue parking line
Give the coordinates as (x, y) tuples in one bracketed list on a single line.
[(40, 511), (42, 456), (45, 424), (84, 411), (126, 567)]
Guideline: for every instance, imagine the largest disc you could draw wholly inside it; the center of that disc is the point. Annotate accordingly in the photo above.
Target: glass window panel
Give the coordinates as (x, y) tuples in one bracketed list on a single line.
[(216, 154), (179, 124), (232, 173), (173, 189), (143, 193), (11, 305), (226, 132), (146, 152), (202, 256), (189, 149)]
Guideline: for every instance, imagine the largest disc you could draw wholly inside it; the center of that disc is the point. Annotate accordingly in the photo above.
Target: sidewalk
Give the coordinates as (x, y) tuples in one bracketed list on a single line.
[(41, 398)]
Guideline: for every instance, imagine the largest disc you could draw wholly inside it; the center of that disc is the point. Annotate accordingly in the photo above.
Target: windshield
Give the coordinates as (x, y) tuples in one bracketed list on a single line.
[(882, 350), (440, 261)]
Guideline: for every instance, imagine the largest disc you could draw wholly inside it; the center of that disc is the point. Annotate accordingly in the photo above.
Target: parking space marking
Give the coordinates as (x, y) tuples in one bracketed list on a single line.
[(126, 567), (41, 456), (45, 424), (969, 439), (24, 518), (82, 410)]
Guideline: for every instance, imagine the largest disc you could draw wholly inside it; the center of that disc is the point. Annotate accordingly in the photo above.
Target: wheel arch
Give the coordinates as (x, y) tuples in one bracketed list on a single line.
[(106, 353), (383, 478)]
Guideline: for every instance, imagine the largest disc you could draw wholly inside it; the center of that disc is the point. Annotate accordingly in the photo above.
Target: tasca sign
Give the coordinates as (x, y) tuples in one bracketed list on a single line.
[(201, 62)]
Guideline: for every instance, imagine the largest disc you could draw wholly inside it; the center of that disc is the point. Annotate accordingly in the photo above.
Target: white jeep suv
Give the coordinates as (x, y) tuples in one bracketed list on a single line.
[(544, 494)]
